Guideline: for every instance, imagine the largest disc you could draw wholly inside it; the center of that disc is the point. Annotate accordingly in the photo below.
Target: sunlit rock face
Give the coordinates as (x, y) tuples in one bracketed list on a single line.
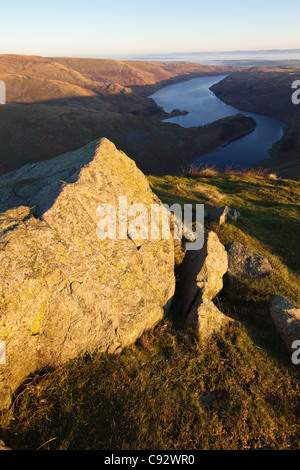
[(65, 291)]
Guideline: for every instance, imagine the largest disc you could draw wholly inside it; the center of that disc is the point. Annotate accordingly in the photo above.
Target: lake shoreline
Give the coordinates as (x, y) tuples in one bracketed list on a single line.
[(241, 134)]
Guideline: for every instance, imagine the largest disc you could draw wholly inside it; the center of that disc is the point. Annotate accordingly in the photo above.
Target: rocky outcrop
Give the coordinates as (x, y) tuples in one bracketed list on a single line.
[(199, 280), (223, 214), (65, 291), (286, 317), (242, 261)]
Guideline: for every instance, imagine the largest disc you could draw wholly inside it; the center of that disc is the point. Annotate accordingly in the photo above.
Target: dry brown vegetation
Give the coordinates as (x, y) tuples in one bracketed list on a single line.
[(211, 171), (196, 170)]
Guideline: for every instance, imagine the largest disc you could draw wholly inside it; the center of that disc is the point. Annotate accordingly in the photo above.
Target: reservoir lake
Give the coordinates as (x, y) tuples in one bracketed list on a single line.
[(204, 107)]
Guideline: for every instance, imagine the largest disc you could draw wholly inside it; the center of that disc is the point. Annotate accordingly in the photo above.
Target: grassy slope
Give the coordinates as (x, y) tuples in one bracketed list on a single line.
[(171, 391)]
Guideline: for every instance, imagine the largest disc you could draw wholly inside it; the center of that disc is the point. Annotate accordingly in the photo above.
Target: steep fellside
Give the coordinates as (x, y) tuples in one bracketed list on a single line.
[(37, 132)]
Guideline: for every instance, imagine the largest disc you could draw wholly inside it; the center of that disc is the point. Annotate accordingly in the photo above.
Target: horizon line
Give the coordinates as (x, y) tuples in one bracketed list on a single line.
[(158, 53)]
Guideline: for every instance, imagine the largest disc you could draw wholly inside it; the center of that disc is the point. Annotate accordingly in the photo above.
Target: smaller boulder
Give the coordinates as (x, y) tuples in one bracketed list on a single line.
[(286, 317), (242, 261), (223, 214), (201, 270), (205, 318)]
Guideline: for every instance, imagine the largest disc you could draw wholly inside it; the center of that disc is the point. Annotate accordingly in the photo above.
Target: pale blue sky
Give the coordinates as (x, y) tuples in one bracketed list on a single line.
[(107, 28)]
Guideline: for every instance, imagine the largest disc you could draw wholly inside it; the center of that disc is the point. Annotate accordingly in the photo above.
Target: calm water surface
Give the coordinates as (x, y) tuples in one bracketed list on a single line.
[(204, 107)]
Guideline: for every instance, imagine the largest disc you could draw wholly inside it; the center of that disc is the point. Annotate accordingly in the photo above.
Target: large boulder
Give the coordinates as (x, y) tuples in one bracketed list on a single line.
[(64, 290), (286, 317), (244, 262)]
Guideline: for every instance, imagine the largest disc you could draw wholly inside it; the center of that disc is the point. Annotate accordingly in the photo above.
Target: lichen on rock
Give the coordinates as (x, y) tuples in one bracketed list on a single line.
[(64, 291)]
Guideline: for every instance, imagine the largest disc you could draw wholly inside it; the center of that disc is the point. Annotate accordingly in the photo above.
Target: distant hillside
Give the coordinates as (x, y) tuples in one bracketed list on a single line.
[(32, 79), (142, 76)]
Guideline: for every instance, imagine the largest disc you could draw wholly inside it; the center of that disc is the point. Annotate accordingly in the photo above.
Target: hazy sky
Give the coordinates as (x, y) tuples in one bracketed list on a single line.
[(107, 28)]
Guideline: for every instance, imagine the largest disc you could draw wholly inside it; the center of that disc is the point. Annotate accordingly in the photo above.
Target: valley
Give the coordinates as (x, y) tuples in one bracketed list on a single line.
[(55, 105)]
